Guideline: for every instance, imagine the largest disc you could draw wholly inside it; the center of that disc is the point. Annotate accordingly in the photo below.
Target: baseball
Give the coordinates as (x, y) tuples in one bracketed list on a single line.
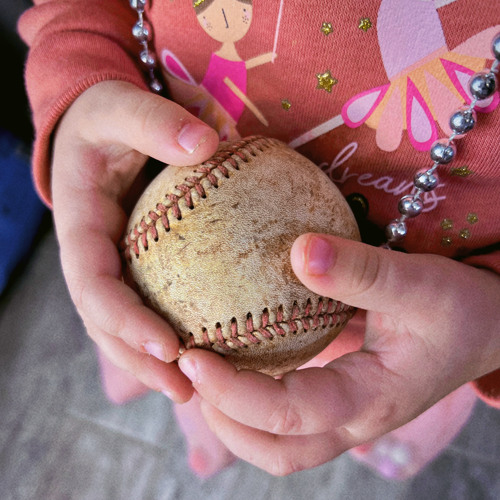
[(208, 248)]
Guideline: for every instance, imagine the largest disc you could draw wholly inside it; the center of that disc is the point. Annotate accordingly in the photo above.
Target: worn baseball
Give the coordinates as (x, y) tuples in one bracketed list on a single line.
[(208, 248)]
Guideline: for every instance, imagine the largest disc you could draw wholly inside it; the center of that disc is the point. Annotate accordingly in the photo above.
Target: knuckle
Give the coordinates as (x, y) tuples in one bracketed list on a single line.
[(222, 397), (146, 114), (112, 324), (367, 272), (92, 332), (78, 293), (282, 465), (156, 116), (144, 368), (383, 413), (83, 296), (286, 420)]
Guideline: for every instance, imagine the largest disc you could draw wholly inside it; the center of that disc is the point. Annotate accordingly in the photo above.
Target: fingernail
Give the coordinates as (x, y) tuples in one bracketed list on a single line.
[(155, 349), (318, 256), (192, 136), (189, 368)]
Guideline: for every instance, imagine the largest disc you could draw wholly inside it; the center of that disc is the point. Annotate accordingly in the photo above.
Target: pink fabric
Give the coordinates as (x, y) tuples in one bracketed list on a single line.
[(419, 122), (217, 71), (409, 30)]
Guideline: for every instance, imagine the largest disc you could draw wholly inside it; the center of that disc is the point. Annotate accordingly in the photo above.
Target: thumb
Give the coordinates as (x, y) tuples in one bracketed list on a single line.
[(120, 112), (360, 275)]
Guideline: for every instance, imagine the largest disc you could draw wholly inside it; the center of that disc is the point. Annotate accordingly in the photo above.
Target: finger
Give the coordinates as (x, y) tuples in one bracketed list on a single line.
[(428, 295), (93, 271), (161, 377), (277, 455), (355, 392), (117, 310), (89, 224), (367, 277), (146, 122)]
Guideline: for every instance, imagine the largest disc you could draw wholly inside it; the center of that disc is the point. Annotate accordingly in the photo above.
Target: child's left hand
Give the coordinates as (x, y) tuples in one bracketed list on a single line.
[(432, 325)]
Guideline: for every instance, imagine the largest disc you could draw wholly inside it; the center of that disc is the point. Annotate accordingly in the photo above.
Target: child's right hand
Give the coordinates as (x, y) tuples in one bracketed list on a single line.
[(101, 144)]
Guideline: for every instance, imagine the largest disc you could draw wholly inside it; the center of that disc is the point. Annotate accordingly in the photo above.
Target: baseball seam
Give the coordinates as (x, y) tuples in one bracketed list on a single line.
[(328, 313), (224, 162)]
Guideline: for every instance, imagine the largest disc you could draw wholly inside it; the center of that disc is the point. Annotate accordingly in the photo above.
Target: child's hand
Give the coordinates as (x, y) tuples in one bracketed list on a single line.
[(432, 325), (100, 146)]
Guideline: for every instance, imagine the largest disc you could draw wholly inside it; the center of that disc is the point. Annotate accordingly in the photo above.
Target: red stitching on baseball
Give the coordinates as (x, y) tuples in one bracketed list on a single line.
[(238, 150), (267, 330), (265, 317)]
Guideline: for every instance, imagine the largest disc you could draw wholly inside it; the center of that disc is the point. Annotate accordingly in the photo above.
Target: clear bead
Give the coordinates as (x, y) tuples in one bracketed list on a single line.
[(141, 31), (148, 58), (138, 5), (443, 151), (155, 85)]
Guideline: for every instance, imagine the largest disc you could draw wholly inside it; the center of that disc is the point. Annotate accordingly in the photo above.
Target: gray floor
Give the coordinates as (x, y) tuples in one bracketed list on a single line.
[(60, 438)]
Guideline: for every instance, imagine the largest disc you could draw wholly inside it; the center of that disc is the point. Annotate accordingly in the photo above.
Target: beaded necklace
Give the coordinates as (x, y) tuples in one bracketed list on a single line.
[(143, 33), (482, 86)]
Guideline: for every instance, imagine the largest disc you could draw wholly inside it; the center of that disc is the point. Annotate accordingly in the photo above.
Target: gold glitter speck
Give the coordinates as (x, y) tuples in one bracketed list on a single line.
[(326, 81), (365, 24), (464, 234), (326, 28), (447, 224), (446, 241), (472, 218), (461, 171), (286, 104)]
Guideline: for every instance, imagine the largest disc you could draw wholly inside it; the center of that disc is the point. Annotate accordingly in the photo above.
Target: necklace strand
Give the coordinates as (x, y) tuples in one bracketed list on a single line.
[(482, 86), (143, 33)]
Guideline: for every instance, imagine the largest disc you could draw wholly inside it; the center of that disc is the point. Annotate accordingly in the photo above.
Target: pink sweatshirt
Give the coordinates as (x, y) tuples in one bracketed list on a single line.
[(361, 87)]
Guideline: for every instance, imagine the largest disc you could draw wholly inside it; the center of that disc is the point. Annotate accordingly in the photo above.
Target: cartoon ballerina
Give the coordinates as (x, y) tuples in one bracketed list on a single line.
[(427, 81), (220, 98)]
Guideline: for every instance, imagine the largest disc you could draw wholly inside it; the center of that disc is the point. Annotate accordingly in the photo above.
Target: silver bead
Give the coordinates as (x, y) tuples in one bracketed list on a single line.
[(426, 180), (495, 47), (463, 121), (148, 58), (443, 151), (155, 85), (141, 31), (482, 85), (410, 206), (395, 230), (138, 5)]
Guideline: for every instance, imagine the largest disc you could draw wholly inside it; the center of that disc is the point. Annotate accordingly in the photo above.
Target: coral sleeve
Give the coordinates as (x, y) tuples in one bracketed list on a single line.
[(73, 45), (488, 386)]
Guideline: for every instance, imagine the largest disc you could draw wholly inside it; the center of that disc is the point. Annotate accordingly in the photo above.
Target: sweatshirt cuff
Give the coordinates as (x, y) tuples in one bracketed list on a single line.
[(56, 76), (42, 145)]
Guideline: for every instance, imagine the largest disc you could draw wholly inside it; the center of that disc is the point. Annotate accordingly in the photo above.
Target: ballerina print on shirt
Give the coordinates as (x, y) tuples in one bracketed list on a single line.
[(427, 81), (220, 98)]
